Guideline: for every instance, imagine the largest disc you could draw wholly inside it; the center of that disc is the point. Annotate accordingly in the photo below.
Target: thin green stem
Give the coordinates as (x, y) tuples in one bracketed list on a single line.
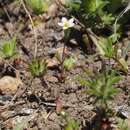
[(66, 33)]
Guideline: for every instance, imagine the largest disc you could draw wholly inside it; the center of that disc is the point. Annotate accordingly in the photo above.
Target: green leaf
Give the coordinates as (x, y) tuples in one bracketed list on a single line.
[(99, 44), (74, 4), (68, 127), (38, 6), (72, 125), (113, 80), (8, 49), (105, 47), (69, 63), (89, 5), (114, 37), (124, 64), (101, 87), (84, 82), (101, 47), (107, 19)]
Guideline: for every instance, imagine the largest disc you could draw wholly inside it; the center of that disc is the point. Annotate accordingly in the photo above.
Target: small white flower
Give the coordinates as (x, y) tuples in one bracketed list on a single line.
[(65, 23), (63, 113)]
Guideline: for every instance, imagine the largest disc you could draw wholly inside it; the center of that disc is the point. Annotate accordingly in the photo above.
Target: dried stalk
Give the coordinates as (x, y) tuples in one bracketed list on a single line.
[(33, 26)]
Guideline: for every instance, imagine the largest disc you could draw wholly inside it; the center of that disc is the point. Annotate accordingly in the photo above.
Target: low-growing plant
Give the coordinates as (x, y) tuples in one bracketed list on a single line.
[(69, 63), (101, 87), (38, 67), (107, 48), (38, 6), (71, 4), (8, 49), (98, 14)]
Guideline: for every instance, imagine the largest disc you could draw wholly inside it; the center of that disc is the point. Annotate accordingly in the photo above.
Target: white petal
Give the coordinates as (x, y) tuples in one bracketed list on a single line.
[(71, 22), (61, 24), (64, 19)]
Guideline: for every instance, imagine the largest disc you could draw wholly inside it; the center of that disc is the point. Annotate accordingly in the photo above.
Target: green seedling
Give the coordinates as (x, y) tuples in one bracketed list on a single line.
[(71, 124), (107, 19), (91, 6), (38, 6), (72, 4), (105, 45), (107, 49), (96, 9), (8, 49), (38, 68), (69, 63), (101, 87)]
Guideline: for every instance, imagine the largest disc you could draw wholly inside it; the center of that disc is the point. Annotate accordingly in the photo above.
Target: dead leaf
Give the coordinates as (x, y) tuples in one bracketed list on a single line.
[(63, 2), (55, 61), (51, 63), (58, 50), (58, 105), (8, 124), (51, 79)]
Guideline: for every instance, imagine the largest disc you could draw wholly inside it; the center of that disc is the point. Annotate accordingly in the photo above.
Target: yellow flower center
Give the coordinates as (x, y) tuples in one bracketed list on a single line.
[(66, 25)]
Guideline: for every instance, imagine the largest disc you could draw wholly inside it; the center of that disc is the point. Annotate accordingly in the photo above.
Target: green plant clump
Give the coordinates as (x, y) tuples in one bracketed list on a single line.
[(69, 63), (8, 49), (107, 49), (38, 68), (101, 87), (38, 6)]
